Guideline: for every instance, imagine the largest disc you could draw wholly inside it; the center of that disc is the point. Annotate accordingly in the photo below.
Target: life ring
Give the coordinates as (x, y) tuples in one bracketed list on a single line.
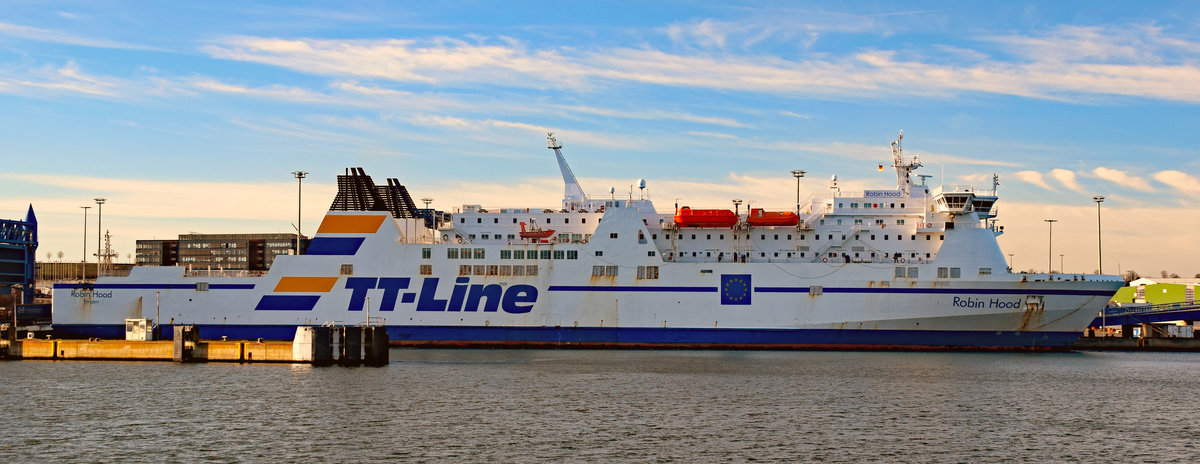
[(445, 237), (902, 260), (460, 240), (824, 260), (928, 225)]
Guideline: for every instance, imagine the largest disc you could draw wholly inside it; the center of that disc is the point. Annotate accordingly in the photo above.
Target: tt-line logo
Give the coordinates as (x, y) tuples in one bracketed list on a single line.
[(464, 296)]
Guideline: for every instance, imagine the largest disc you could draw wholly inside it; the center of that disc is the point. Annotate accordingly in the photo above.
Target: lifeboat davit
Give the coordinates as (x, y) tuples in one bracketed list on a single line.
[(688, 217), (535, 232), (758, 217)]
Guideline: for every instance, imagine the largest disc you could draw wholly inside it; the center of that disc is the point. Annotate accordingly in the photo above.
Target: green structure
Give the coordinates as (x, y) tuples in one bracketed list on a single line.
[(1155, 293)]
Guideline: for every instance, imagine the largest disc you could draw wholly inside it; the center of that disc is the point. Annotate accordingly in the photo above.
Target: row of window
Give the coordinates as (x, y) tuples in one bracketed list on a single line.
[(463, 220), (942, 272), (802, 237), (871, 205), (502, 270)]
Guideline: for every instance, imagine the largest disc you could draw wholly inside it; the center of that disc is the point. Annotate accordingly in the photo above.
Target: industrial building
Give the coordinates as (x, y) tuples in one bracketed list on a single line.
[(250, 252)]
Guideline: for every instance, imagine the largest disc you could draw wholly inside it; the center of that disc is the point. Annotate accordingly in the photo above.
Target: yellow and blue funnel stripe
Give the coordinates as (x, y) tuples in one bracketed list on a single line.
[(344, 224), (296, 302)]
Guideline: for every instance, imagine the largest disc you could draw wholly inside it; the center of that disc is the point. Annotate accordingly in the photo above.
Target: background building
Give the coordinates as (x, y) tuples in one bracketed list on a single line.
[(253, 252)]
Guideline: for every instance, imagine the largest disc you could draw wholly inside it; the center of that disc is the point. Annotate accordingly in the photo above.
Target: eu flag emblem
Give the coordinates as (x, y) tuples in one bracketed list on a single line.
[(735, 289)]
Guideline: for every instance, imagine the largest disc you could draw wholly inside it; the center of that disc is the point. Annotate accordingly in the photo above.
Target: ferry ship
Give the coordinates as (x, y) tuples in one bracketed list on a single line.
[(916, 267)]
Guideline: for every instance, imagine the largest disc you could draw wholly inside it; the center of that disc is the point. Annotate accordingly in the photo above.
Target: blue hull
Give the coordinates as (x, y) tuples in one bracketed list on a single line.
[(646, 338)]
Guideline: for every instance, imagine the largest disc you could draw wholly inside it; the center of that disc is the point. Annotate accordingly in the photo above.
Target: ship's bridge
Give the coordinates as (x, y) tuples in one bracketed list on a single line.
[(960, 199)]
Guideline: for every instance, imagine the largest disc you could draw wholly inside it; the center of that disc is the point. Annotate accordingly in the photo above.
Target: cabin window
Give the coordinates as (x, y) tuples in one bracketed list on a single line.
[(899, 221), (479, 253), (647, 272), (479, 220), (566, 220), (462, 220), (816, 290), (485, 236), (583, 220), (547, 220), (610, 271), (927, 237), (985, 271), (426, 253), (452, 253), (480, 269), (346, 269), (531, 270), (830, 236), (776, 236), (900, 272), (516, 254), (721, 237), (912, 272), (650, 253), (426, 269), (201, 286), (505, 270), (858, 221), (762, 237), (559, 254), (597, 271), (464, 269), (518, 270), (470, 236), (599, 252), (514, 220), (839, 222), (853, 205), (708, 237), (654, 236), (576, 237), (955, 273), (802, 237), (612, 235), (941, 237), (545, 254), (943, 272), (572, 254), (495, 220), (914, 237), (562, 238), (493, 269), (693, 236), (505, 254)]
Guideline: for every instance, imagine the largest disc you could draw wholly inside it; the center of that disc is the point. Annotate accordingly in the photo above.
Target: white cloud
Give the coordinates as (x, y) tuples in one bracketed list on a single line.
[(1035, 178), (52, 36), (718, 135), (1098, 66), (1180, 181), (1066, 178), (1122, 178)]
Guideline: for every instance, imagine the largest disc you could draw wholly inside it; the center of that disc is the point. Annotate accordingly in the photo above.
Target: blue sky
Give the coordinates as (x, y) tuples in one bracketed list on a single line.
[(189, 117)]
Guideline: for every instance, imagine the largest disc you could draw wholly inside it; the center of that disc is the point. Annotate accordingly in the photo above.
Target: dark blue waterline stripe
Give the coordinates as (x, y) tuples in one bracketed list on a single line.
[(335, 246), (956, 291), (191, 286), (638, 335), (287, 303), (628, 288)]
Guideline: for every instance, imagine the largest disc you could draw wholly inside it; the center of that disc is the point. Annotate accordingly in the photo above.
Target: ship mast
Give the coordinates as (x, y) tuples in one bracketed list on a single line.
[(903, 169)]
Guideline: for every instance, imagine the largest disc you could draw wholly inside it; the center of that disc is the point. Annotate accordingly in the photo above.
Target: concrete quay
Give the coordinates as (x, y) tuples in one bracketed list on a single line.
[(346, 346), (1137, 344)]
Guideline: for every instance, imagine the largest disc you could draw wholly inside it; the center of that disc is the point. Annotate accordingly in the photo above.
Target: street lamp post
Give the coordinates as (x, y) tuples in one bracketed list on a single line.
[(1050, 256), (1061, 259), (99, 230), (1099, 249), (1010, 261), (299, 198), (83, 265), (798, 173)]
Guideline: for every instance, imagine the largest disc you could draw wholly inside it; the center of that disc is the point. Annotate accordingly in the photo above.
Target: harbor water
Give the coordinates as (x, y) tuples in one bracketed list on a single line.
[(612, 406)]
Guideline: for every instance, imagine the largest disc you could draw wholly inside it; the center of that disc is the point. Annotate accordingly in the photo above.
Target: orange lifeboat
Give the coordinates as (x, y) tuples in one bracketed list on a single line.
[(758, 217), (535, 232), (688, 217)]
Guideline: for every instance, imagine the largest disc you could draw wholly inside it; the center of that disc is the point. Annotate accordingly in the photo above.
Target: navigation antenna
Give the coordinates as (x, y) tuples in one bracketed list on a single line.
[(903, 169), (572, 192)]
